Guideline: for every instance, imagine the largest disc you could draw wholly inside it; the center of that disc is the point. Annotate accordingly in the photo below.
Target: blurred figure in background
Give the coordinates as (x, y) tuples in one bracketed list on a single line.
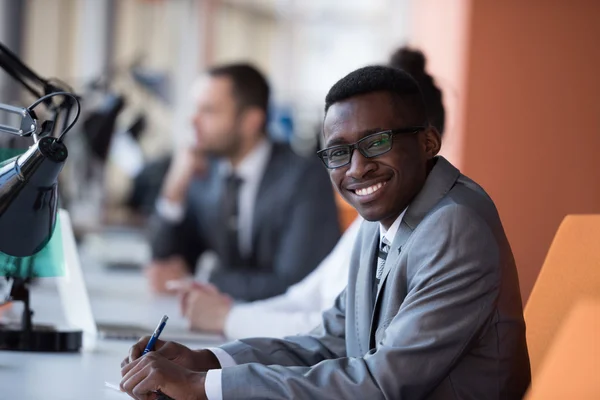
[(413, 61), (268, 213), (300, 308)]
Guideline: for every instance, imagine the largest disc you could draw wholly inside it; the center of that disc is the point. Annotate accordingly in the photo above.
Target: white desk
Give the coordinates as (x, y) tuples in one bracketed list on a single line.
[(115, 297)]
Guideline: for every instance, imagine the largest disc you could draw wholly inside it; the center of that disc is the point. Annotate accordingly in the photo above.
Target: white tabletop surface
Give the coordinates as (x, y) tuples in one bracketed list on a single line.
[(115, 297)]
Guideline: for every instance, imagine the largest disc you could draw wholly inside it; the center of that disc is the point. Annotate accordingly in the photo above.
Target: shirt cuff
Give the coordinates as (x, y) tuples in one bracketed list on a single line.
[(212, 385), (224, 358), (169, 210)]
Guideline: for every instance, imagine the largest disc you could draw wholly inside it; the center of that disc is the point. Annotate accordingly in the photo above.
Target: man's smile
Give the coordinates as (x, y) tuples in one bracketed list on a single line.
[(368, 191)]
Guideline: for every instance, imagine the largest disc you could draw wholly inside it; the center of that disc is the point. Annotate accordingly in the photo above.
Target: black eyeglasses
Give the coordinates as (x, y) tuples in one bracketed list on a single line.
[(370, 146)]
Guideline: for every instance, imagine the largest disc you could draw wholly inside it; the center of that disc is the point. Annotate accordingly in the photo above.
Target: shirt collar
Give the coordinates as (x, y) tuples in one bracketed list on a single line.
[(390, 234), (253, 165)]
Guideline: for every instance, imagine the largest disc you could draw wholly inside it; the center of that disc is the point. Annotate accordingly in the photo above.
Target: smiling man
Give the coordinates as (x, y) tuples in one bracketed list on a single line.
[(432, 307)]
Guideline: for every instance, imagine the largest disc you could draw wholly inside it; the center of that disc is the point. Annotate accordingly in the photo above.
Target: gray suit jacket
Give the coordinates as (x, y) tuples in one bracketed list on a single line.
[(295, 225), (447, 322)]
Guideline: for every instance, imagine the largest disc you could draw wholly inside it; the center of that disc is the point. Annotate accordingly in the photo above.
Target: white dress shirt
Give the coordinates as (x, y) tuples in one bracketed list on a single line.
[(251, 170), (390, 234), (212, 384)]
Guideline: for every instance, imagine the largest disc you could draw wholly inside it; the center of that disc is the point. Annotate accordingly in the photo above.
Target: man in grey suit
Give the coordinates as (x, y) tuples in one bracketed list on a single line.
[(432, 308), (251, 203)]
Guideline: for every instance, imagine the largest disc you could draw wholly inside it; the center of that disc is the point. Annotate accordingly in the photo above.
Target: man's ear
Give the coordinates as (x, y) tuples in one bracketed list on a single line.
[(432, 142), (253, 119)]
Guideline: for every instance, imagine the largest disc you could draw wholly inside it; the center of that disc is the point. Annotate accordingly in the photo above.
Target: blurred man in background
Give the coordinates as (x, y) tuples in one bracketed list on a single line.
[(300, 308), (268, 213)]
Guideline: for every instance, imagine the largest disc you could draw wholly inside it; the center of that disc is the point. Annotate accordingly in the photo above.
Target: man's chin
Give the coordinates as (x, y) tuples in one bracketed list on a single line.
[(370, 214)]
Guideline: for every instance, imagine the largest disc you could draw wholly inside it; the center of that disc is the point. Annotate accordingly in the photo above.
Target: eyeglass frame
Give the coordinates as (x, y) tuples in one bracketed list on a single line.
[(355, 145)]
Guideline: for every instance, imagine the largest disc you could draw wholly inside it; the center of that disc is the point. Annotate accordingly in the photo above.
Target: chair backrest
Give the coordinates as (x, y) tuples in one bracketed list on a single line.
[(571, 271), (570, 369)]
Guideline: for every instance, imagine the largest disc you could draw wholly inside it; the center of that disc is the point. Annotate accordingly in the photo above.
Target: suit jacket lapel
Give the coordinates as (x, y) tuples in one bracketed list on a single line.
[(441, 179), (404, 232), (364, 279)]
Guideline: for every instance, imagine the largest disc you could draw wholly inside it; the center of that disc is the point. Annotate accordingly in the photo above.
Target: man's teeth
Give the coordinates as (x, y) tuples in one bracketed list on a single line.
[(370, 189)]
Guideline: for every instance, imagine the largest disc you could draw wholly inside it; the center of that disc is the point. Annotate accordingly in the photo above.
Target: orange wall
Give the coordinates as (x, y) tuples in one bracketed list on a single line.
[(532, 132), (440, 29), (530, 111)]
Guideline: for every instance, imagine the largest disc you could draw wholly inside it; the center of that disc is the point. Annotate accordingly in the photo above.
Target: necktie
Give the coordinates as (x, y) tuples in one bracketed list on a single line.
[(230, 203), (384, 248)]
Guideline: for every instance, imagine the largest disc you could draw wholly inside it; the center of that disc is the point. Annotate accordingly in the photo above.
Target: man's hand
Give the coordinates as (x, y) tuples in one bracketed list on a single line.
[(154, 372), (187, 164), (205, 307), (160, 272), (195, 360)]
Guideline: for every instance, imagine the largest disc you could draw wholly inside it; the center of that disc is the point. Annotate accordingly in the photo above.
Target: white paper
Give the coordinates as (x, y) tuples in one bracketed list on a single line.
[(115, 387)]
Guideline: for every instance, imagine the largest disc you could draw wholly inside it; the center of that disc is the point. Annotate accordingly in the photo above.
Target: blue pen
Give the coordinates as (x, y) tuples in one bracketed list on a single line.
[(155, 335), (150, 347)]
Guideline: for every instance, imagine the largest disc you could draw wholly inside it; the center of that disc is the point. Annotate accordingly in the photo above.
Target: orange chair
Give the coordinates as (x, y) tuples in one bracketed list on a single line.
[(571, 367), (570, 272)]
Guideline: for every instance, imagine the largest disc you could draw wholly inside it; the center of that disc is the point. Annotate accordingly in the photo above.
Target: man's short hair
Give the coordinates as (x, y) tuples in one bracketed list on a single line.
[(403, 89), (250, 87)]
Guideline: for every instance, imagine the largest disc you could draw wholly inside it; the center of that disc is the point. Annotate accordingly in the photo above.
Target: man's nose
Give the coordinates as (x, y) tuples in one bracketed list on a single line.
[(359, 165)]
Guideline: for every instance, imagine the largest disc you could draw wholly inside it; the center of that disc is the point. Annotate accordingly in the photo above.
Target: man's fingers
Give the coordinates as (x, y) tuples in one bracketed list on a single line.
[(212, 289), (131, 369), (183, 287), (133, 378), (169, 350), (129, 366), (135, 352), (137, 349), (145, 378), (146, 389), (157, 275)]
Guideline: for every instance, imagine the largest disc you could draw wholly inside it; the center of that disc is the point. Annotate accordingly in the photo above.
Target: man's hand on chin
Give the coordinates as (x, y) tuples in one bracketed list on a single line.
[(159, 272)]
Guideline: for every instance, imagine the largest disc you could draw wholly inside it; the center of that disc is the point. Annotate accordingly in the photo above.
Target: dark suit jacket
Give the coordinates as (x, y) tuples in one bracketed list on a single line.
[(447, 323), (295, 225)]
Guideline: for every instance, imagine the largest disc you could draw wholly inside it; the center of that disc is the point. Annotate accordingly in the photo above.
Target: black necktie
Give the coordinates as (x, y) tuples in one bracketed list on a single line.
[(230, 203)]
